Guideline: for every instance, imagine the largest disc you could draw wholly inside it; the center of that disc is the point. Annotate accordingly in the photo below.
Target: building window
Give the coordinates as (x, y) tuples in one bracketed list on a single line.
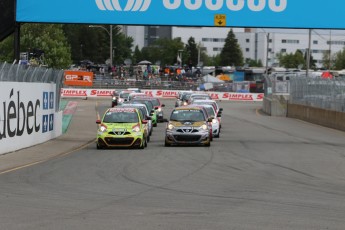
[(247, 49), (247, 40), (290, 41), (315, 42), (283, 50)]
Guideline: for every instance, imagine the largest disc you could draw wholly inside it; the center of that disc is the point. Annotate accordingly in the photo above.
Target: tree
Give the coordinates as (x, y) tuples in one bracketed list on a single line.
[(231, 54), (312, 61), (291, 60), (93, 43), (48, 39), (254, 63), (192, 52), (339, 63), (328, 60), (137, 55), (164, 50)]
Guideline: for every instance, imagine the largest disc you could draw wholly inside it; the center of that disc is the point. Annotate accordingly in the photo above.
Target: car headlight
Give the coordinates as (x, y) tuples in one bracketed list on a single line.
[(204, 127), (102, 129), (185, 103), (214, 121), (170, 126), (114, 98), (136, 128), (159, 109)]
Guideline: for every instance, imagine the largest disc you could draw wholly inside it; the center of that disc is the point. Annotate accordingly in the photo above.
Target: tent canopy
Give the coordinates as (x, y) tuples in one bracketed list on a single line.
[(210, 78)]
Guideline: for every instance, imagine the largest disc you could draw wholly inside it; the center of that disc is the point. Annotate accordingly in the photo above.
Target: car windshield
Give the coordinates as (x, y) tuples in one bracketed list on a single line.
[(148, 103), (121, 117), (155, 102), (187, 115), (209, 110), (124, 95), (186, 96)]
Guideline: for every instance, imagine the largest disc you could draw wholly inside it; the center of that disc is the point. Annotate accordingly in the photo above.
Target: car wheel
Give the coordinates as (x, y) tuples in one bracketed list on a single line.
[(166, 144), (155, 125), (145, 143), (208, 144), (98, 146), (148, 138), (217, 136)]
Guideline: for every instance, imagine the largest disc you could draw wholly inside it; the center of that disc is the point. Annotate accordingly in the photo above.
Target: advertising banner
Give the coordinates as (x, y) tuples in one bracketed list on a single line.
[(168, 94), (27, 115), (78, 78), (229, 13)]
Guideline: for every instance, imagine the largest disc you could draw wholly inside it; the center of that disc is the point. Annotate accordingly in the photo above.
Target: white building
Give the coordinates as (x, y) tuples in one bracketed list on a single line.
[(254, 41)]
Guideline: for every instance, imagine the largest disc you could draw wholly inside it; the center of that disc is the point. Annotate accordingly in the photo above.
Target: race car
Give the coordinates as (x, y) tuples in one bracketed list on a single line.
[(121, 128), (188, 125)]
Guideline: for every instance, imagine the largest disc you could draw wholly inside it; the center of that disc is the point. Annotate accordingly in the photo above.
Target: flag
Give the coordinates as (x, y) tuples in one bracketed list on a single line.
[(178, 58)]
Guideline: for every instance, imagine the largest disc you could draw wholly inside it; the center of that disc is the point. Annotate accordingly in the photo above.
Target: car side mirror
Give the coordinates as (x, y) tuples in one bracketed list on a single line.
[(156, 107), (219, 115), (209, 119), (221, 109), (148, 118), (98, 121)]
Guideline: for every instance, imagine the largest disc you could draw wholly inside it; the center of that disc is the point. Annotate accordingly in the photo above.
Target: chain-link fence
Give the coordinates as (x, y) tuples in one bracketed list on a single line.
[(25, 73), (310, 91), (317, 92)]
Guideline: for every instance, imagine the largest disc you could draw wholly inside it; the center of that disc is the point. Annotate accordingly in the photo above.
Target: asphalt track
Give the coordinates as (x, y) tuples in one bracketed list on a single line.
[(262, 173)]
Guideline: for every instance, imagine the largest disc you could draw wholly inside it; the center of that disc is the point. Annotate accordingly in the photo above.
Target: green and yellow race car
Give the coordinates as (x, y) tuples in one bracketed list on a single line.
[(121, 128)]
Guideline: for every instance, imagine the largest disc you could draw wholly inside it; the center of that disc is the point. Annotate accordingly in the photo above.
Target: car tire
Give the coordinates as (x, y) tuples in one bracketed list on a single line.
[(142, 146), (145, 143), (208, 144), (166, 144), (98, 146), (148, 138), (155, 125)]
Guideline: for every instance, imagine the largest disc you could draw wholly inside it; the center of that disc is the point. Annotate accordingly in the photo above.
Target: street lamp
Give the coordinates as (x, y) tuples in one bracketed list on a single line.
[(110, 33)]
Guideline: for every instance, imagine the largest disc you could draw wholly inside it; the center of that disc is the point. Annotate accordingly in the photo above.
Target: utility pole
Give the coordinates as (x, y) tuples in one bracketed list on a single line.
[(308, 54), (267, 52)]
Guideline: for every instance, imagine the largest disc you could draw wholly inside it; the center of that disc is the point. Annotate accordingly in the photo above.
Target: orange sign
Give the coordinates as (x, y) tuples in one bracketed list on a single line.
[(78, 78)]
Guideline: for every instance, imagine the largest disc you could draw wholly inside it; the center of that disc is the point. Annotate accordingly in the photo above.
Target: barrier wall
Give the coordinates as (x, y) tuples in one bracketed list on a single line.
[(27, 115), (226, 96), (324, 117)]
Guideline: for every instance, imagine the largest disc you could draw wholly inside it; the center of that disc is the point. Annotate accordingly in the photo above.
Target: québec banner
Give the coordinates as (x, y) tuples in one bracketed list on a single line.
[(314, 14)]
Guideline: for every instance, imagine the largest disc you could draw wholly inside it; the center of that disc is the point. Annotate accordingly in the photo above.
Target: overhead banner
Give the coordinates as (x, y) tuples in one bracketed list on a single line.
[(228, 13)]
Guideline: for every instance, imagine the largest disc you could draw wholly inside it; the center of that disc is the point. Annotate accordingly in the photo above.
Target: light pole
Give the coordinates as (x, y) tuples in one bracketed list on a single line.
[(110, 33)]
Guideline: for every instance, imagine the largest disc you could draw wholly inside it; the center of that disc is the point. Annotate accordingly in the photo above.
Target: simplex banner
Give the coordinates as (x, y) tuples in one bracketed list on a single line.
[(229, 13), (168, 94)]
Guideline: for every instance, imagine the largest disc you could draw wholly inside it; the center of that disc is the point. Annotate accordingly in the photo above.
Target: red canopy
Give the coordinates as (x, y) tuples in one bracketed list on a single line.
[(326, 75)]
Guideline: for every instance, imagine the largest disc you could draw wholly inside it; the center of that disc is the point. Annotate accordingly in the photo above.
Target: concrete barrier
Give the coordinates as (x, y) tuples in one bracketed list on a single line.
[(327, 118)]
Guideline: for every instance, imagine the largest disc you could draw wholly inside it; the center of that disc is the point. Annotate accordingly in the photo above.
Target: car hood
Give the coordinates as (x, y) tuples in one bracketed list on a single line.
[(184, 123), (127, 126)]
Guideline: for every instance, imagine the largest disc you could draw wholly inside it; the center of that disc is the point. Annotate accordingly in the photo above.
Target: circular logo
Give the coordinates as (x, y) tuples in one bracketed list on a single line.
[(132, 5)]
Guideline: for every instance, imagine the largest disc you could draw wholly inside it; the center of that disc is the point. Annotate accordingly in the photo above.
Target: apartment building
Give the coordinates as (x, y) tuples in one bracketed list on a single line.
[(256, 44)]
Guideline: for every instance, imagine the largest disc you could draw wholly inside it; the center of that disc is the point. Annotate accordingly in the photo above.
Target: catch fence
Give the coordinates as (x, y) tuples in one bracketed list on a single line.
[(324, 93), (26, 73)]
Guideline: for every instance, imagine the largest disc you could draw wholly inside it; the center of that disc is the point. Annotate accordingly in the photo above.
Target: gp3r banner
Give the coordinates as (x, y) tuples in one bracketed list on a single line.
[(228, 13), (78, 78)]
